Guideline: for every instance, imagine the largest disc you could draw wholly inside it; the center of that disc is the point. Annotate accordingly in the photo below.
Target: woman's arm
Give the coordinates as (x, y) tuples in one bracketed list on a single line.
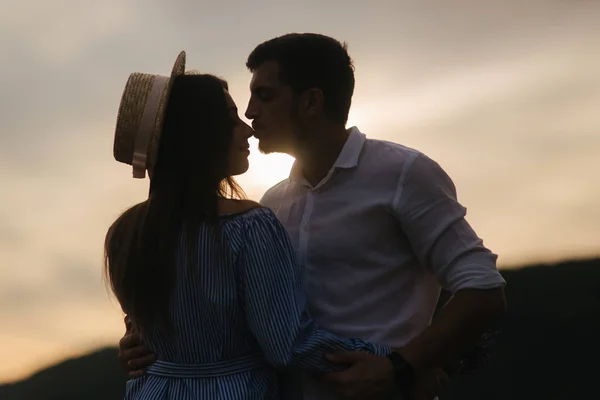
[(275, 303)]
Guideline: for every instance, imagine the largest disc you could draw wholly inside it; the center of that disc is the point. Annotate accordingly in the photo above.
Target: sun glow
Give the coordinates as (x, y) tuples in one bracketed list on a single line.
[(356, 117), (265, 170)]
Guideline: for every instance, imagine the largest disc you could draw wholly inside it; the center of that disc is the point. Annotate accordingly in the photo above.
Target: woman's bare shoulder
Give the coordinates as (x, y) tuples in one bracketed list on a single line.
[(230, 206)]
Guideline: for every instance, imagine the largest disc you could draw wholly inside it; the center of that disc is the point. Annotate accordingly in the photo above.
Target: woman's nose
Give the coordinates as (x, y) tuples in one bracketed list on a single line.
[(248, 132)]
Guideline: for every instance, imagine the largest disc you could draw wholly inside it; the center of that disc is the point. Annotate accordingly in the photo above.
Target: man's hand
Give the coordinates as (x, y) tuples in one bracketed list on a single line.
[(430, 384), (368, 376), (133, 355)]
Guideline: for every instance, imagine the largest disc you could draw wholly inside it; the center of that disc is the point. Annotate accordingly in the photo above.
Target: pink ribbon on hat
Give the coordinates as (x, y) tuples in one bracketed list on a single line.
[(147, 124)]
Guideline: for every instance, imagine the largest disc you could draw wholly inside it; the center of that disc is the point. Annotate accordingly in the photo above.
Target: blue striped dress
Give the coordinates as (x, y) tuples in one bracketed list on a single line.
[(239, 321)]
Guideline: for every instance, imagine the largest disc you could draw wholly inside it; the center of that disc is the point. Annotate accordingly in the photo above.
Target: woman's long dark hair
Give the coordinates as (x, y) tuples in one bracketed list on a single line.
[(189, 178)]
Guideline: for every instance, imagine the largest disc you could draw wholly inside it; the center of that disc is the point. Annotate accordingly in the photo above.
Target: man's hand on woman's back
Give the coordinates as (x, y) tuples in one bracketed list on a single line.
[(133, 355)]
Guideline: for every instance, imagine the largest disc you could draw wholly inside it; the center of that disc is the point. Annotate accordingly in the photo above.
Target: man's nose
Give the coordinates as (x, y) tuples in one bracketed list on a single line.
[(251, 110)]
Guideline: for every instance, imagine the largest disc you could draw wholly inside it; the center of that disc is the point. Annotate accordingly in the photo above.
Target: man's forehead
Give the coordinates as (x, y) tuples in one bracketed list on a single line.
[(267, 74)]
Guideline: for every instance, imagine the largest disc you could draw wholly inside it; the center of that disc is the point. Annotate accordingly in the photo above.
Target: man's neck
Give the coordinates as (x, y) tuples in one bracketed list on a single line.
[(317, 155)]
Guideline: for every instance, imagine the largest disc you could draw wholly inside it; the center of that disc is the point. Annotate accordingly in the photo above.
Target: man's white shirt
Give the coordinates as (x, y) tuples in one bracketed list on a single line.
[(377, 238)]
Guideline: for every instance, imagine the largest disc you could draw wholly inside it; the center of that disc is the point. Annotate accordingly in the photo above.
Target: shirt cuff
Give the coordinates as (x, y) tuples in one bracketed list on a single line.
[(382, 350), (483, 282)]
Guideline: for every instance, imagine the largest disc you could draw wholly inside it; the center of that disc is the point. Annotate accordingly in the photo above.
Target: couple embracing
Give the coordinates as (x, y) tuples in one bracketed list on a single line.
[(324, 289)]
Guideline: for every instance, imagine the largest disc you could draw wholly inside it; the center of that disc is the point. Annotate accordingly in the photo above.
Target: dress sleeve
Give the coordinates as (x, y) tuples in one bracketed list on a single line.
[(275, 302)]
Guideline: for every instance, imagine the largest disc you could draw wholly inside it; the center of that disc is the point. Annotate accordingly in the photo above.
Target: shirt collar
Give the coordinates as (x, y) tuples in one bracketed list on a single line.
[(348, 157), (350, 153)]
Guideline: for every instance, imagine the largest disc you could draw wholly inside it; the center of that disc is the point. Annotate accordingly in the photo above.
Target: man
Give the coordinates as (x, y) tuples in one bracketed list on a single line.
[(376, 225)]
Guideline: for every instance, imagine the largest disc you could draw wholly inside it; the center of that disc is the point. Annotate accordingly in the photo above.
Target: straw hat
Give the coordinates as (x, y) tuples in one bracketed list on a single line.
[(141, 116)]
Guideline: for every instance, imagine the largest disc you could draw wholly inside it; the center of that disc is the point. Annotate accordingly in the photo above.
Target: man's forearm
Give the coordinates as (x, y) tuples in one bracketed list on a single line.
[(477, 356), (459, 325)]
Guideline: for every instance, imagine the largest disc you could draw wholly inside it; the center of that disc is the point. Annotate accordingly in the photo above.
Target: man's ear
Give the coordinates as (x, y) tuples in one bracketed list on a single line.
[(312, 101)]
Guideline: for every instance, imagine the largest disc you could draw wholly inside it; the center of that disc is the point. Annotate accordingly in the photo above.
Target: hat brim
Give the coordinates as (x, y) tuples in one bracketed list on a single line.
[(179, 66), (131, 146), (178, 70)]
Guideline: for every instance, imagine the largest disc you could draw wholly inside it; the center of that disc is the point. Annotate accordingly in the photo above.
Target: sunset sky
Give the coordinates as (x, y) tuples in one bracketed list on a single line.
[(504, 94)]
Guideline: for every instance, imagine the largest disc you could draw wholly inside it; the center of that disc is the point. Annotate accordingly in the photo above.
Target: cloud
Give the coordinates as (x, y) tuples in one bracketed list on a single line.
[(70, 281), (10, 235)]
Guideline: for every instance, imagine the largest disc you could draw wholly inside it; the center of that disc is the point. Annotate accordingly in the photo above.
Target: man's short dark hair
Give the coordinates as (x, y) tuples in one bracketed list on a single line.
[(310, 60)]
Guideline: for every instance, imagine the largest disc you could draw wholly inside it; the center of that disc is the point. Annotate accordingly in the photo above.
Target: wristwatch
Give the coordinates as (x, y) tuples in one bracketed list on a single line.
[(404, 374)]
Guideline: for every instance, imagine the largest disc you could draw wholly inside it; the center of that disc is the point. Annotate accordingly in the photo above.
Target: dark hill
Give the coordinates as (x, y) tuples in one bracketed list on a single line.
[(96, 376)]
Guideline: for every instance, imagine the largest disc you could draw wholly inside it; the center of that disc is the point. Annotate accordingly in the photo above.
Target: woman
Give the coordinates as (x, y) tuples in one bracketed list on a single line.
[(210, 282)]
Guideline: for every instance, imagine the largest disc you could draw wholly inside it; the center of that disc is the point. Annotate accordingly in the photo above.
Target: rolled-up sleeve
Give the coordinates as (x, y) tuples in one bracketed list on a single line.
[(426, 205)]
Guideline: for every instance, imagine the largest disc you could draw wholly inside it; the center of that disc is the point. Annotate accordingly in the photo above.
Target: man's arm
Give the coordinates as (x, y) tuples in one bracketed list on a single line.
[(133, 355), (427, 209), (445, 244), (473, 357), (476, 357), (458, 326)]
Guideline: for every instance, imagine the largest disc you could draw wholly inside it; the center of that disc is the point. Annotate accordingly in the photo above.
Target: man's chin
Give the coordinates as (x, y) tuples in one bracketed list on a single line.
[(265, 148)]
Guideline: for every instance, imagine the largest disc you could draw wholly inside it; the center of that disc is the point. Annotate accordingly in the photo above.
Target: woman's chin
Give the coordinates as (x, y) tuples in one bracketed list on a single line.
[(240, 169)]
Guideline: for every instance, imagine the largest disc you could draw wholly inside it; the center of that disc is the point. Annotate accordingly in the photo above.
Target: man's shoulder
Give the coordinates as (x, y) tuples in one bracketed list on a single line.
[(413, 166), (384, 155), (401, 163), (389, 153)]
